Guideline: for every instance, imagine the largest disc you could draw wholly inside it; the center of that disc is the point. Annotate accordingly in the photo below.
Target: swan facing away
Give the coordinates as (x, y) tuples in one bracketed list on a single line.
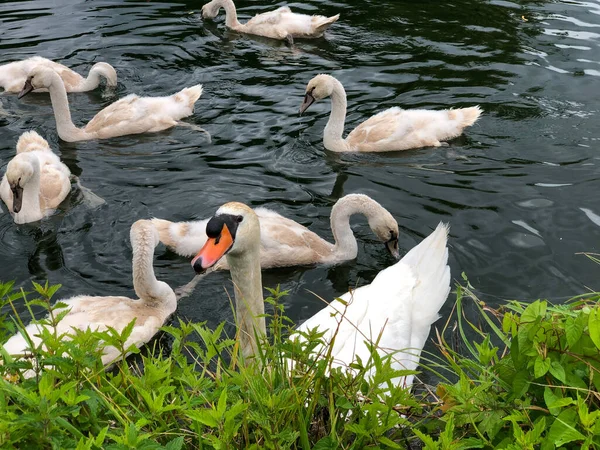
[(279, 24), (155, 304), (35, 182), (129, 115), (396, 309), (13, 75), (284, 242), (390, 130)]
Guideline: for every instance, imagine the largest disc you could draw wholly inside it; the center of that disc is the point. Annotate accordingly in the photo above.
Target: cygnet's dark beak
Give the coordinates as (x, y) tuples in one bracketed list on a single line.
[(17, 192), (392, 247), (308, 100), (27, 88)]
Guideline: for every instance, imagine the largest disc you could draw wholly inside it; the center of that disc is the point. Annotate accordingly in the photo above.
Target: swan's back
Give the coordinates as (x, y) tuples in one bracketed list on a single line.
[(134, 114), (396, 309), (282, 22)]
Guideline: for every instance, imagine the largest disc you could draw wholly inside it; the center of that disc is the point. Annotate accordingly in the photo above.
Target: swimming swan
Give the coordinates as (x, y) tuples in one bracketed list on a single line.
[(130, 115), (35, 182), (13, 75), (279, 24), (397, 308), (284, 242), (390, 130), (155, 304)]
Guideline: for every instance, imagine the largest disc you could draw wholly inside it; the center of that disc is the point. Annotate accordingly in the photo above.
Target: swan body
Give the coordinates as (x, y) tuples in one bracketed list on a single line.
[(155, 304), (279, 24), (284, 242), (35, 182), (129, 115), (396, 309), (390, 130), (13, 75)]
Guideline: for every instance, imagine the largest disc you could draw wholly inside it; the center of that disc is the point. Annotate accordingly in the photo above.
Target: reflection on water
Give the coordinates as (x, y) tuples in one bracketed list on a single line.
[(517, 188)]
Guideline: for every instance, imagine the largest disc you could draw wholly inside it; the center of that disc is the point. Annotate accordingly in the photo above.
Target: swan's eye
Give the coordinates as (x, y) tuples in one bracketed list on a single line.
[(238, 219)]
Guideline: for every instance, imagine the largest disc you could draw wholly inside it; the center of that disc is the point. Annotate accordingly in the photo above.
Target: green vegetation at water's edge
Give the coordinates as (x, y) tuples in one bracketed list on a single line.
[(530, 379)]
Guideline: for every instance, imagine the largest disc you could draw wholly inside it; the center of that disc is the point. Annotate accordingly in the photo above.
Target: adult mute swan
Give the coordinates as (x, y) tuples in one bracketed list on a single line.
[(396, 309), (155, 304), (279, 24), (130, 115), (13, 75), (35, 182), (284, 242), (390, 130)]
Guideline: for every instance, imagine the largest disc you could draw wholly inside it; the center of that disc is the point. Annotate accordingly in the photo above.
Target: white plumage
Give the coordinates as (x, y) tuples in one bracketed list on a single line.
[(38, 179), (13, 75), (155, 304), (129, 115), (390, 130), (279, 24)]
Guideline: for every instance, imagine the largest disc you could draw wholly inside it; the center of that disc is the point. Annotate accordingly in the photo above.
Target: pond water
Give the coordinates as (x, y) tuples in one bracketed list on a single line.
[(517, 188)]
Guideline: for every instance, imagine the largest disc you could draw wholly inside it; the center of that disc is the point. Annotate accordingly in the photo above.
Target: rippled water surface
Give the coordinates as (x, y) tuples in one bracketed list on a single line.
[(519, 188)]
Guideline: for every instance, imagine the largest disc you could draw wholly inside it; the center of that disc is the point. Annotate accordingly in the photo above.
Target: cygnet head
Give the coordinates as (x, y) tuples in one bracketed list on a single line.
[(233, 230), (40, 77), (18, 173), (385, 228), (107, 71), (210, 10), (318, 88), (141, 232)]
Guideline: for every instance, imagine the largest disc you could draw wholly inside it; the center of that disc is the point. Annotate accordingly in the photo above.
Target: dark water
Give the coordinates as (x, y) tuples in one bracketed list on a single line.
[(519, 188)]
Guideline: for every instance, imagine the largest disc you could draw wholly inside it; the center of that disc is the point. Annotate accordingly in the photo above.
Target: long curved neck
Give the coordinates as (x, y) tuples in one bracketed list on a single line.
[(332, 135), (231, 19), (60, 104), (30, 208), (345, 242), (153, 293), (249, 304), (99, 70)]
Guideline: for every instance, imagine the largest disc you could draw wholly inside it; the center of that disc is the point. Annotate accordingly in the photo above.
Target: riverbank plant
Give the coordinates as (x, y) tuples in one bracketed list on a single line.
[(526, 376)]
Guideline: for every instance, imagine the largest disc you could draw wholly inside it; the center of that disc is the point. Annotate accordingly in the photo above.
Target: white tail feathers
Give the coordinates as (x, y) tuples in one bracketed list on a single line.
[(31, 141), (322, 23), (466, 116), (193, 93)]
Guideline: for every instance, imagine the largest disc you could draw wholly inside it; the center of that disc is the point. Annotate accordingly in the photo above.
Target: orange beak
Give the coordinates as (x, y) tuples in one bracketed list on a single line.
[(213, 250)]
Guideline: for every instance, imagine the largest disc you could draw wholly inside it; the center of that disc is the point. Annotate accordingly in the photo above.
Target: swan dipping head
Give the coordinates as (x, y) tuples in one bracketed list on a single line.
[(18, 173), (318, 88), (39, 78), (385, 228), (210, 10), (232, 230)]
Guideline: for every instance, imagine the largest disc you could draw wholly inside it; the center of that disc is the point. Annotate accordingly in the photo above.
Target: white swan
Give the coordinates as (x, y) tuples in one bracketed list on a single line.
[(279, 24), (130, 115), (397, 308), (390, 130), (287, 243), (155, 304), (13, 75), (35, 182)]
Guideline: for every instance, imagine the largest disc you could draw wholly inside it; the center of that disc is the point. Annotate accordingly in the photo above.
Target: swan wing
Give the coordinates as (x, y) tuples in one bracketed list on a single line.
[(55, 184), (285, 242), (396, 310)]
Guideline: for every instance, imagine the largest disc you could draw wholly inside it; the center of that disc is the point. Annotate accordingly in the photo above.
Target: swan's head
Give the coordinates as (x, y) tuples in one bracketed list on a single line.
[(107, 71), (233, 230), (210, 10), (18, 173), (318, 88), (385, 228), (39, 78), (142, 233)]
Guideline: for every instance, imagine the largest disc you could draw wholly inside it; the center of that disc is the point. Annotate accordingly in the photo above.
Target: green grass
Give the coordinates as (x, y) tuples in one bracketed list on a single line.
[(529, 380)]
